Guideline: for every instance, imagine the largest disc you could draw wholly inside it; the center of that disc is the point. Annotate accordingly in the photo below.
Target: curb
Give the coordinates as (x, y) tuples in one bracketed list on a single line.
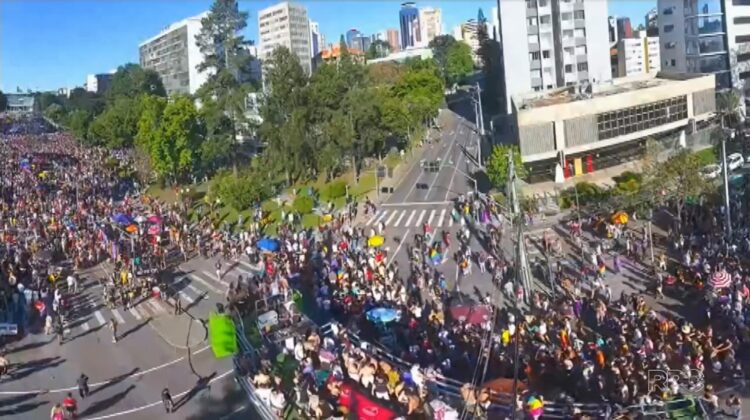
[(182, 346)]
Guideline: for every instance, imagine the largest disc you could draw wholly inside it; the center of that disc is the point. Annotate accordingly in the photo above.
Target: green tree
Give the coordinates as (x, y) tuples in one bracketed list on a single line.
[(84, 100), (285, 121), (497, 165), (43, 100), (378, 49), (385, 74), (175, 151), (729, 107), (117, 126), (681, 180), (3, 101), (78, 122), (440, 45), (131, 80), (55, 112), (458, 62)]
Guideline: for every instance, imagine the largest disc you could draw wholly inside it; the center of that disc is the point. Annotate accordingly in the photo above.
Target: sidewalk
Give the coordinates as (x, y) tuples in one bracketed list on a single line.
[(174, 330)]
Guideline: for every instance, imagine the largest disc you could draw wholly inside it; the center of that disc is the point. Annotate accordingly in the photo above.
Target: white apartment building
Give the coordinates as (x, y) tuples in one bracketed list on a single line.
[(553, 43), (315, 39), (285, 24), (174, 54), (430, 23), (638, 55), (468, 32), (707, 36)]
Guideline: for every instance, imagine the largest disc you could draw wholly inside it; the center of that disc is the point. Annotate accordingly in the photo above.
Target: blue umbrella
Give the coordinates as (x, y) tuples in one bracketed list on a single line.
[(382, 315), (121, 218), (268, 244)]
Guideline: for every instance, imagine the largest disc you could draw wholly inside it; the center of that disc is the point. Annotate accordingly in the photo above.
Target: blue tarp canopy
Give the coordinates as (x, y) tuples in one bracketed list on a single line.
[(268, 244), (382, 315)]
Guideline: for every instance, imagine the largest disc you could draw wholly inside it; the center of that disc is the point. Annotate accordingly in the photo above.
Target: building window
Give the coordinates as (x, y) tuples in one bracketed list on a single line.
[(742, 38), (533, 39), (669, 45), (567, 16), (583, 66), (674, 62), (545, 54), (534, 55), (581, 50), (567, 34), (578, 14), (641, 117), (549, 86), (568, 68), (668, 28), (545, 20), (531, 21), (667, 11), (531, 4), (543, 3), (580, 33)]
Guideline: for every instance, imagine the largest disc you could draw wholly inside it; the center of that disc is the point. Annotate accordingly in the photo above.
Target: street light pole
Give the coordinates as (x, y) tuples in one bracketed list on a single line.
[(480, 126), (725, 169)]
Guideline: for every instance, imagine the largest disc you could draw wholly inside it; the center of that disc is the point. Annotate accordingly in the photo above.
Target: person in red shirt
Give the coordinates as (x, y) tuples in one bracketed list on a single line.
[(70, 404)]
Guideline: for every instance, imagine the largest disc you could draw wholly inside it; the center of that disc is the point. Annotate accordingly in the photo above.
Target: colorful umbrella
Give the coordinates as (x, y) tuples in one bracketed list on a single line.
[(382, 315), (376, 241), (535, 406), (131, 229), (268, 244), (154, 219), (154, 230), (720, 279), (620, 218)]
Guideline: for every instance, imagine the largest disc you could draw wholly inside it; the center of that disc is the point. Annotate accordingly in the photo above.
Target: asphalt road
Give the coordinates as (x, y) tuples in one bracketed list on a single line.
[(127, 377)]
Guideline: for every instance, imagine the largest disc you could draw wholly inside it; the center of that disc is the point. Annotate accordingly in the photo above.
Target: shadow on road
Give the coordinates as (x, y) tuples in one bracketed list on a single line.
[(85, 333), (116, 380), (23, 408), (30, 346), (29, 368), (134, 329), (200, 385), (5, 402), (107, 402)]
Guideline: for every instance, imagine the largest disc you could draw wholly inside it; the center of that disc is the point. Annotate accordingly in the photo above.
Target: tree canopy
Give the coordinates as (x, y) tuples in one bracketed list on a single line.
[(458, 62), (497, 165), (131, 80)]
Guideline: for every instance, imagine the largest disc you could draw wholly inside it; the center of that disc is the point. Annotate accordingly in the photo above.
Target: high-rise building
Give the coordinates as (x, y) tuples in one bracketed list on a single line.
[(706, 36), (430, 24), (315, 40), (98, 83), (411, 34), (550, 43), (652, 22), (361, 42), (494, 29), (285, 24), (612, 26), (468, 32), (174, 54), (624, 29), (393, 39), (638, 55), (351, 34)]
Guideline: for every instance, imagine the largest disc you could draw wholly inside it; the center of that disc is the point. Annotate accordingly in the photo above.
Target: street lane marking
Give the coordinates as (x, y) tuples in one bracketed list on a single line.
[(157, 403), (374, 216), (440, 219), (98, 384), (135, 313), (194, 289), (450, 221), (419, 219), (393, 214), (100, 318), (205, 283), (432, 216), (411, 216), (213, 277), (117, 315), (403, 213), (158, 308), (186, 297), (398, 248), (382, 216)]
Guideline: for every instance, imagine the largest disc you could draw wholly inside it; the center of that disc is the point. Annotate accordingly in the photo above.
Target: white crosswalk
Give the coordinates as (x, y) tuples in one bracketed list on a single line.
[(411, 218)]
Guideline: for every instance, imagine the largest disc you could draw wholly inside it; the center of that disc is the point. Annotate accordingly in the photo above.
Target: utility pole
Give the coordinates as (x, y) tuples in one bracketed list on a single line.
[(523, 277), (480, 125), (725, 169)]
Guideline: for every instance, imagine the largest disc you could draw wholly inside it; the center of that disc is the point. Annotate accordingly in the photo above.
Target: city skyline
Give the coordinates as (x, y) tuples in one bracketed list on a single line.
[(66, 44)]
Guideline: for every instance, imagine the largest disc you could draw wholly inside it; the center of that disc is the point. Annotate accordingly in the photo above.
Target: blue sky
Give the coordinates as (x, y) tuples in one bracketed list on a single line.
[(47, 44)]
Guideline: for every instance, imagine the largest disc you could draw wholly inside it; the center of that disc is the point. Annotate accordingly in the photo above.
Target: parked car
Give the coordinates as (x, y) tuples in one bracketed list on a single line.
[(711, 171), (735, 161)]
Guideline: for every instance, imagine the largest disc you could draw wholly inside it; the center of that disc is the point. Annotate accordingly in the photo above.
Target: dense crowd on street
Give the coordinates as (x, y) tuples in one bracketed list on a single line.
[(402, 339)]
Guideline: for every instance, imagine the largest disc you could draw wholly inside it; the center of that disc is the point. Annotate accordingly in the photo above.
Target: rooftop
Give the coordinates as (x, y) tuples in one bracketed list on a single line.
[(335, 52), (568, 94), (174, 26)]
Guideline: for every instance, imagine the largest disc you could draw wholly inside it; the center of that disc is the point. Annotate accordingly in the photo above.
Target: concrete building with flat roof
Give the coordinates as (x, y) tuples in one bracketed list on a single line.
[(175, 55), (590, 127), (285, 25)]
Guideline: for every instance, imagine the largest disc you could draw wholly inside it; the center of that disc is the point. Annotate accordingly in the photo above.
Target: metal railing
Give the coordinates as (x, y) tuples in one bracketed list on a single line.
[(246, 350)]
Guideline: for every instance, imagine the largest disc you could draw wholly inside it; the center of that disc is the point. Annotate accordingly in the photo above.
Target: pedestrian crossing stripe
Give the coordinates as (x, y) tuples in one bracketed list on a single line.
[(186, 296), (193, 288), (440, 219), (403, 213), (450, 221), (382, 216), (421, 216), (408, 221), (393, 214), (213, 277), (100, 318), (135, 313), (205, 283), (158, 306), (432, 216), (117, 316), (374, 216)]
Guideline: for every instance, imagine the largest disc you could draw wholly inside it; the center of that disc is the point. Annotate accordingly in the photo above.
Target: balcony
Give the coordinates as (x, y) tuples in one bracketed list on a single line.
[(536, 64)]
